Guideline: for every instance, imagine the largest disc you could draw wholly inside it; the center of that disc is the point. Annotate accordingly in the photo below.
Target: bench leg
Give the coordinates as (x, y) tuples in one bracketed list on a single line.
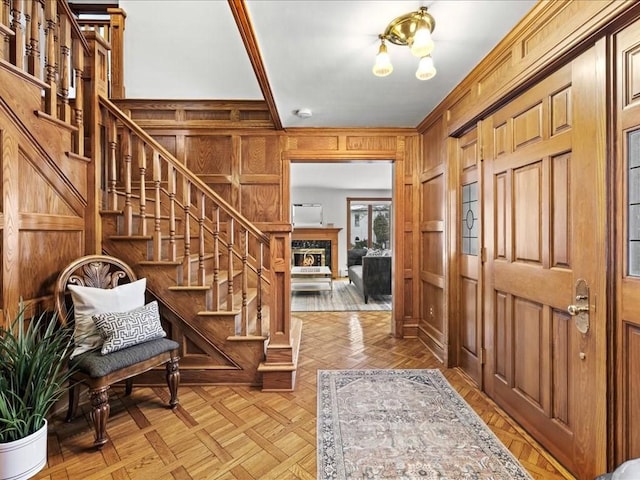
[(173, 380), (128, 386), (100, 414)]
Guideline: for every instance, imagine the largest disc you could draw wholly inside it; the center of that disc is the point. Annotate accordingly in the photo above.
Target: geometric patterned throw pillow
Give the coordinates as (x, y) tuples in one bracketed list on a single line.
[(125, 329)]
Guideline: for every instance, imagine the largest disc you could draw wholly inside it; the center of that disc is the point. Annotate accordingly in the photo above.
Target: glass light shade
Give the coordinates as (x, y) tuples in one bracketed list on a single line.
[(383, 66), (422, 44), (426, 68)]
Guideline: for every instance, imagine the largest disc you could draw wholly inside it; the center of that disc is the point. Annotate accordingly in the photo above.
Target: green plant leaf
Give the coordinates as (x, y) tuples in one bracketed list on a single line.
[(34, 372)]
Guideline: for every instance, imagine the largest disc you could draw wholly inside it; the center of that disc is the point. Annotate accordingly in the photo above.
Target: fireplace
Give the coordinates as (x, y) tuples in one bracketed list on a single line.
[(315, 253), (320, 243), (308, 257)]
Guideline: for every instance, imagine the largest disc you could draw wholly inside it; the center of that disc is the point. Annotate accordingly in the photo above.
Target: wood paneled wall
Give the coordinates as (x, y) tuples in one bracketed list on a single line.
[(233, 148), (552, 35), (44, 195), (434, 312)]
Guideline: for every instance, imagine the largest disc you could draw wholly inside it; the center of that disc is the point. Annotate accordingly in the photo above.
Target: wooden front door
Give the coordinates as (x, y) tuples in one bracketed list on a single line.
[(544, 213)]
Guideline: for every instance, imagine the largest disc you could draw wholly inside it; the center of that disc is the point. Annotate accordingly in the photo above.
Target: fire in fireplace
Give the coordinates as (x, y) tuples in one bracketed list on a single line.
[(308, 257)]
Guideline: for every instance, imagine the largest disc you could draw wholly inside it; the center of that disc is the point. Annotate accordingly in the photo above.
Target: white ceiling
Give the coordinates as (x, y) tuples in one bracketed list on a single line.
[(317, 54)]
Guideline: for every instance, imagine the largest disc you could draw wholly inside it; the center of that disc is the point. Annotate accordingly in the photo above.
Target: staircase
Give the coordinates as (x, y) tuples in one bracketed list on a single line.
[(204, 262), (106, 186)]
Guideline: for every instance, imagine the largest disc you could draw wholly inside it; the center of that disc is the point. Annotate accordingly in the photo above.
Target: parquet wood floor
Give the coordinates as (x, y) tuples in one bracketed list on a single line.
[(230, 432)]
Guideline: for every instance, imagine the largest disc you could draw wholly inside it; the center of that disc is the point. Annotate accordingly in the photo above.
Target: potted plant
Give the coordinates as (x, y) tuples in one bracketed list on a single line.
[(33, 376)]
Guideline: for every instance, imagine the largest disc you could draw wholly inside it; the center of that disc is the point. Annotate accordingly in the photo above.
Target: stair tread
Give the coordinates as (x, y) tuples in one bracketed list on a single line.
[(241, 338), (189, 288), (218, 313), (130, 237), (177, 262)]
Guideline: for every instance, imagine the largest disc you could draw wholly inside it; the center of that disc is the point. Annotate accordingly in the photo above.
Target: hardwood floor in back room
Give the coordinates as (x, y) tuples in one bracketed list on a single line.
[(230, 432)]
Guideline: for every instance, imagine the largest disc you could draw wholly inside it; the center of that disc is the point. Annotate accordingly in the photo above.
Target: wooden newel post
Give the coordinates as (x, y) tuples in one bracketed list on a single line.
[(94, 83), (279, 369), (117, 21), (96, 64)]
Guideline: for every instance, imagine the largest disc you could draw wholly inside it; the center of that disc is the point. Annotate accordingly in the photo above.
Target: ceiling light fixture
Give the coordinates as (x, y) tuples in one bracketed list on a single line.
[(414, 31), (304, 112)]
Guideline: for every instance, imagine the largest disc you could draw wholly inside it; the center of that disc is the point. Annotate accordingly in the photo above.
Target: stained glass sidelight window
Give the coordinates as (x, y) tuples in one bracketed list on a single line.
[(633, 199), (470, 219)]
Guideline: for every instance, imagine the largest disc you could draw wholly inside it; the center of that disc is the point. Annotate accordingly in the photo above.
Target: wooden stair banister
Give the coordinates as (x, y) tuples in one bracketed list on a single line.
[(180, 168), (211, 230)]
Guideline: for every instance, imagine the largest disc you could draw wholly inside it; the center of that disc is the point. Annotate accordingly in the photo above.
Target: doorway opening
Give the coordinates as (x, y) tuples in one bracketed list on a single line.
[(331, 185)]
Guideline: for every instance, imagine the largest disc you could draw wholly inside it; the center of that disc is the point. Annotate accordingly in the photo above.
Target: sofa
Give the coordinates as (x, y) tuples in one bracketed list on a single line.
[(370, 271)]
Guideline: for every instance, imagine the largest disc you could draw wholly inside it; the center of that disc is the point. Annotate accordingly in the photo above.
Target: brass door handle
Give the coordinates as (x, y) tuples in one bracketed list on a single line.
[(576, 309), (581, 309)]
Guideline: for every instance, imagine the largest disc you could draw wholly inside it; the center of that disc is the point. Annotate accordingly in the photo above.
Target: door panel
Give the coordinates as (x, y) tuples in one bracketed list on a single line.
[(541, 198), (466, 154)]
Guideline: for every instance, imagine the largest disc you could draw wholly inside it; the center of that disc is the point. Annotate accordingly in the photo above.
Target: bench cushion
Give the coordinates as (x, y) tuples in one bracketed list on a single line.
[(96, 365)]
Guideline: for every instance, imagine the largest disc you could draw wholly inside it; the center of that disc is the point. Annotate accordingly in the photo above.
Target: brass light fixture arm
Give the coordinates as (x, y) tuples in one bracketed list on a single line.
[(402, 29)]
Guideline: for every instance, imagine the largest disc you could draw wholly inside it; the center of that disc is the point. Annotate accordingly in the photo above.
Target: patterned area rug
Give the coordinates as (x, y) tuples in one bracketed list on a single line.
[(404, 424), (345, 297)]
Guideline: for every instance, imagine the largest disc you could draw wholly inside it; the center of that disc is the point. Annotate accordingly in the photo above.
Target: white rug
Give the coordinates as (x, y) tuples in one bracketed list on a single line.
[(404, 424), (344, 298)]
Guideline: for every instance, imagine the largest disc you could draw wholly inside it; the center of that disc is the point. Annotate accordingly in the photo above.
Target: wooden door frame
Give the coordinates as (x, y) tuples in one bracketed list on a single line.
[(397, 213)]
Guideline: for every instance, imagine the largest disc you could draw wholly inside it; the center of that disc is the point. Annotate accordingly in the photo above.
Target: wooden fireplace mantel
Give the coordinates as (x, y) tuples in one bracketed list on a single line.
[(312, 233)]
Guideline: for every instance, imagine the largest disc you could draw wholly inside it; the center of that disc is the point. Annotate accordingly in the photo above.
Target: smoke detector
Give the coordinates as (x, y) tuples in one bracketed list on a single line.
[(304, 112)]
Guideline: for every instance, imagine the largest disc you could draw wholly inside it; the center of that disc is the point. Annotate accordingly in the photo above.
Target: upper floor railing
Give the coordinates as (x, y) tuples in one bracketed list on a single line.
[(42, 39)]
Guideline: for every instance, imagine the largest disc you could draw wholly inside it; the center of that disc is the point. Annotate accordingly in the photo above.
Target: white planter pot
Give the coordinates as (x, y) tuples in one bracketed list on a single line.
[(24, 458)]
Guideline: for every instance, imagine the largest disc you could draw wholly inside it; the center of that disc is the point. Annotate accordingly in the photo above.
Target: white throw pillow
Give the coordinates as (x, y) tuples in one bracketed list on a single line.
[(125, 329), (89, 301)]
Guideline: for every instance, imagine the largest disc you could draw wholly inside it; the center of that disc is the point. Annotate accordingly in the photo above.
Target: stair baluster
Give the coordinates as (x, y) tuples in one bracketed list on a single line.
[(201, 237), (230, 271), (64, 50), (186, 205), (33, 42), (216, 259), (245, 281), (51, 94), (112, 165), (259, 287), (17, 44), (171, 190), (141, 153), (128, 208), (78, 112), (157, 212)]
